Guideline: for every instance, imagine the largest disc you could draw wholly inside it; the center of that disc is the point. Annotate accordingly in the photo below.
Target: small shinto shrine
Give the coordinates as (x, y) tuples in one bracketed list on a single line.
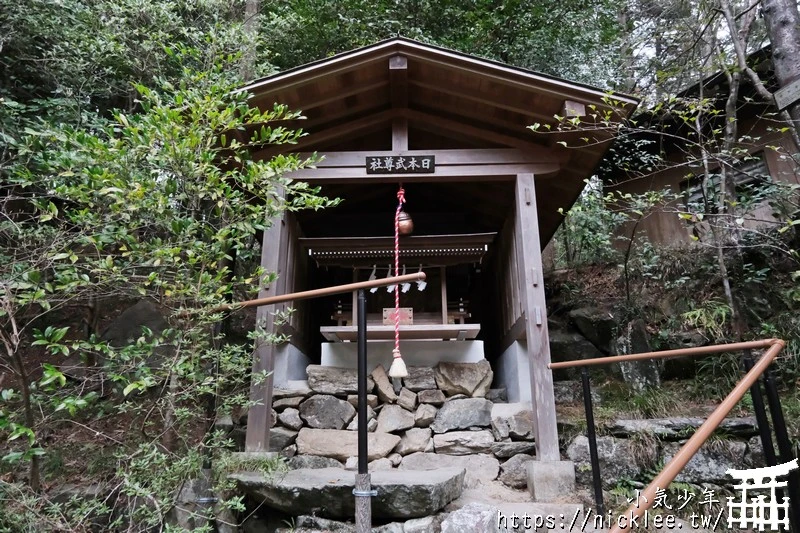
[(484, 192)]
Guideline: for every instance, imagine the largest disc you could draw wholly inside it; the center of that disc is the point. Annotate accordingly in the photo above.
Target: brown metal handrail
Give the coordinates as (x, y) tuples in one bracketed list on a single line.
[(316, 293), (688, 450)]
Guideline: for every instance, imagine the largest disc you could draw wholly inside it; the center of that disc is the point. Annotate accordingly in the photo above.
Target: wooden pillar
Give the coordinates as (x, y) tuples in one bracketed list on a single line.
[(529, 268), (274, 248)]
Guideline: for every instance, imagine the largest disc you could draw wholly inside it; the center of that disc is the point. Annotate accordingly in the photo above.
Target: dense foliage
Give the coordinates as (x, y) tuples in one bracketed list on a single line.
[(125, 173)]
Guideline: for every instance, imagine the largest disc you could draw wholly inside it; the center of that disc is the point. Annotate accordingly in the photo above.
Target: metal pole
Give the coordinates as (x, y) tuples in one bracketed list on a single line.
[(592, 436), (363, 491), (761, 415), (784, 445), (314, 293)]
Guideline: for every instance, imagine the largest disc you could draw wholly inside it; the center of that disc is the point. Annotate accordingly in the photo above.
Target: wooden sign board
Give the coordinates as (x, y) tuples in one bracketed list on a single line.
[(401, 164), (787, 95), (406, 316)]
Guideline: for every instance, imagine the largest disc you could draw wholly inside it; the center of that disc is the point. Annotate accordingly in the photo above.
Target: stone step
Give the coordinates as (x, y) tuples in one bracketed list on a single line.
[(328, 492)]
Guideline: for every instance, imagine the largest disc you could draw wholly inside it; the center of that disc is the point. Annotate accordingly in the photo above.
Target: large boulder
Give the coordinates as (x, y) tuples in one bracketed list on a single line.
[(514, 472), (473, 517), (328, 492), (425, 415), (290, 418), (711, 462), (481, 469), (420, 378), (640, 375), (407, 399), (312, 461), (394, 418), (596, 325), (679, 428), (341, 444), (463, 442), (615, 456), (463, 414), (568, 346), (472, 379), (383, 387), (280, 438), (414, 440), (336, 381), (506, 449), (512, 420), (433, 397), (326, 412)]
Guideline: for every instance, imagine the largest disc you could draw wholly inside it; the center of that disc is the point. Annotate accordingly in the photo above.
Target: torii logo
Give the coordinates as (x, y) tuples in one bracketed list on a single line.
[(758, 511)]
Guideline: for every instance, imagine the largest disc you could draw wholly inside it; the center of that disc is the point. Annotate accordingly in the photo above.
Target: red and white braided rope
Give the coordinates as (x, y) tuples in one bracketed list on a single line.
[(401, 199)]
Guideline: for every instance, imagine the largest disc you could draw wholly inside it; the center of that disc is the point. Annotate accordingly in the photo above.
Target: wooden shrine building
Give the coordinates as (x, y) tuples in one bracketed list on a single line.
[(483, 190)]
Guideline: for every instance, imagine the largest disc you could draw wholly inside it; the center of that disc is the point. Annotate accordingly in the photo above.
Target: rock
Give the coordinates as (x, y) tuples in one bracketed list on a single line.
[(565, 346), (289, 452), (280, 438), (473, 517), (187, 514), (463, 414), (383, 387), (372, 425), (380, 464), (353, 426), (425, 415), (504, 450), (407, 399), (328, 492), (596, 325), (514, 472), (420, 378), (391, 527), (395, 458), (284, 403), (754, 457), (414, 440), (640, 375), (351, 463), (480, 468), (679, 428), (394, 418), (341, 444), (568, 391), (463, 442), (290, 418), (128, 326), (372, 400), (324, 524), (223, 423), (615, 457), (497, 395), (433, 397), (312, 461), (301, 390), (326, 412), (710, 462), (513, 420), (419, 525), (459, 397), (273, 418), (472, 379), (336, 381)]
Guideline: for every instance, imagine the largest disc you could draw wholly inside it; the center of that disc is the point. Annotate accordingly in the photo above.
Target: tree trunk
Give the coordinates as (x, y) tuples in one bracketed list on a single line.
[(250, 32), (783, 27)]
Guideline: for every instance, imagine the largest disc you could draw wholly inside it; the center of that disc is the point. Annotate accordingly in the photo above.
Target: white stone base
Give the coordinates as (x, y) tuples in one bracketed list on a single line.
[(290, 365), (415, 353), (512, 371)]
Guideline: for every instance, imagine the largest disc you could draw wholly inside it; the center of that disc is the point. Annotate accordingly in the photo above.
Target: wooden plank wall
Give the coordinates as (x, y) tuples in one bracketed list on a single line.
[(509, 305)]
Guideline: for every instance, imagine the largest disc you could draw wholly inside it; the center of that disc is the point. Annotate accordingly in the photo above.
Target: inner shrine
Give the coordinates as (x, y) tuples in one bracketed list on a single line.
[(451, 132)]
